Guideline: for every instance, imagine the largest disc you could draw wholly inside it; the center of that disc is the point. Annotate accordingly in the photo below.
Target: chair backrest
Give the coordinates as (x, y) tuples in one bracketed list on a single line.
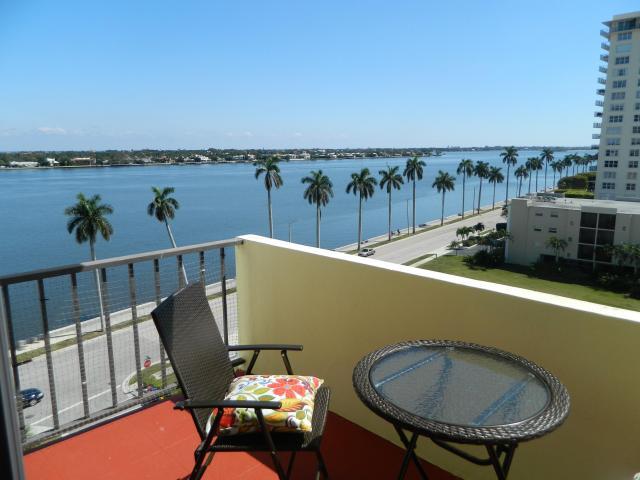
[(195, 348)]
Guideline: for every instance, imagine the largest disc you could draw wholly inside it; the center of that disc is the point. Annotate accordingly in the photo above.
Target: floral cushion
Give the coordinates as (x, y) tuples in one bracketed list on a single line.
[(297, 394)]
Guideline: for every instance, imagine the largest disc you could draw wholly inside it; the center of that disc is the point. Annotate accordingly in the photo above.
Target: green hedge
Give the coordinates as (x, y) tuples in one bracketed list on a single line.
[(580, 181)]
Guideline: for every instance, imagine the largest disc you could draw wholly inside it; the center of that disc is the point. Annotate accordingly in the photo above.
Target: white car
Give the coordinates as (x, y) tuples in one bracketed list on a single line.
[(366, 252)]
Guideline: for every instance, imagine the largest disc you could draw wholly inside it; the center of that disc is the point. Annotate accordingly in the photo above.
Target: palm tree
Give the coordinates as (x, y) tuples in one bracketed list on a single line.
[(535, 164), (546, 157), (557, 245), (363, 185), (556, 167), (509, 157), (495, 177), (163, 207), (318, 192), (521, 173), (272, 179), (465, 167), (88, 219), (443, 183), (413, 170), (391, 179), (481, 170), (577, 161), (567, 161)]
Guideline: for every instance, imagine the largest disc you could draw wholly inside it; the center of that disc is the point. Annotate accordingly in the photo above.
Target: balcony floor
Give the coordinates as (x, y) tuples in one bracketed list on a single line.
[(158, 443)]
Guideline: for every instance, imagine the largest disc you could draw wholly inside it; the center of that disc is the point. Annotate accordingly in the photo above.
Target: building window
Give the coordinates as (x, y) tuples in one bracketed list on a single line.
[(624, 48), (638, 94), (611, 153), (624, 36), (630, 187), (618, 118), (622, 60), (611, 164), (538, 214), (626, 25), (636, 118), (537, 229), (585, 252), (634, 153), (633, 163), (613, 141), (635, 130), (621, 72), (617, 107), (608, 186), (553, 230), (607, 221), (619, 83), (632, 175), (614, 130), (609, 175), (554, 215), (635, 141), (618, 95), (587, 235), (637, 106)]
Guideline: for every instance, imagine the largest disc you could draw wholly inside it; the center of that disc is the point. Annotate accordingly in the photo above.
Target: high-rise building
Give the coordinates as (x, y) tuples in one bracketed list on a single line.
[(619, 120)]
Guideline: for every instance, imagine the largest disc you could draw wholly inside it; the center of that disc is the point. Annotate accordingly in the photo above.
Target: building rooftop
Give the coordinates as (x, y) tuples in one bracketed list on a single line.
[(584, 204)]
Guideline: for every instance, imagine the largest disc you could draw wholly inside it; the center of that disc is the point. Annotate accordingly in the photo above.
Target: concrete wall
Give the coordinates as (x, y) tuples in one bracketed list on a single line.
[(341, 307)]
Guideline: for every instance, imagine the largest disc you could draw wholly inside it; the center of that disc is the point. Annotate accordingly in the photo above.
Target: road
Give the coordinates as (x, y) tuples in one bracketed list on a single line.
[(66, 371), (405, 250)]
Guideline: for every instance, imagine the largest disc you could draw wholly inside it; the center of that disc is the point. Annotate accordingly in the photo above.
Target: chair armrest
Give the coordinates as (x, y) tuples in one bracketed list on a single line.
[(194, 404), (265, 346), (236, 362)]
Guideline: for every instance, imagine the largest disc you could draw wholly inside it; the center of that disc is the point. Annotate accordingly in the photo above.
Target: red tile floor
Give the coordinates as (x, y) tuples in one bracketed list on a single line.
[(158, 443)]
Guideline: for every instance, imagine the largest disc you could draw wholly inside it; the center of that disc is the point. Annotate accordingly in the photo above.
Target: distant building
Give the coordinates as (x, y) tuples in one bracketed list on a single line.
[(15, 164), (619, 120), (52, 162), (78, 161), (588, 226)]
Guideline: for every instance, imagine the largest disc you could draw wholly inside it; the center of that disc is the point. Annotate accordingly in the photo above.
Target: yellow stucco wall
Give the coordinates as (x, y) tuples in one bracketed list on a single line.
[(342, 307)]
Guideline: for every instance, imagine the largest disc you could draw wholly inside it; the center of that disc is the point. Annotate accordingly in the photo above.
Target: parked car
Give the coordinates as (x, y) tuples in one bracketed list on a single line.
[(366, 252), (31, 397)]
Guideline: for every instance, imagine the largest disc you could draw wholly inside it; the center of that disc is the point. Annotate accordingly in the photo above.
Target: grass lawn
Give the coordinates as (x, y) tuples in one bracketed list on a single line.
[(152, 376), (518, 276)]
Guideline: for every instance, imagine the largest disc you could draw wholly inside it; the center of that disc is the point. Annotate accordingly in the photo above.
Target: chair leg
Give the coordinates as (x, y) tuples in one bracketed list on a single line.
[(271, 445), (322, 467), (291, 460), (201, 465)]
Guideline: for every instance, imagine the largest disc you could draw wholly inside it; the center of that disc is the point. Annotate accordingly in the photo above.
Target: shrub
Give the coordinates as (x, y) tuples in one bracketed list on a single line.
[(485, 258)]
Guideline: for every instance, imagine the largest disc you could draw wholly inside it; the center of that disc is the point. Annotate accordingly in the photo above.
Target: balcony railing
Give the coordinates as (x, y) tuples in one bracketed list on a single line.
[(597, 114), (599, 103), (81, 333), (602, 81), (605, 46), (600, 91), (605, 34), (595, 136), (595, 147), (597, 125), (602, 69), (604, 58)]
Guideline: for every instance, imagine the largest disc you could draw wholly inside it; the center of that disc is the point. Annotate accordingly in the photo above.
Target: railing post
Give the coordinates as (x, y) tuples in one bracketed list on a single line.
[(223, 284), (163, 363), (76, 318), (12, 347), (47, 351), (107, 326), (182, 276), (202, 269), (134, 318)]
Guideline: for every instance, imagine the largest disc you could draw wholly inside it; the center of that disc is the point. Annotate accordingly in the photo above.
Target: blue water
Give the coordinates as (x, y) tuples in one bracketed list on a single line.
[(217, 202)]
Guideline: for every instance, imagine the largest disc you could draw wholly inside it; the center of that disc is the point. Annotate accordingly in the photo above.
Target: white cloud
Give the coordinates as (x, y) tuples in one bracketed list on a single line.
[(52, 130)]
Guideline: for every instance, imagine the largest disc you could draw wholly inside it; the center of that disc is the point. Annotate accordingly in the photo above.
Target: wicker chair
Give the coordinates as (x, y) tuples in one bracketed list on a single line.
[(204, 372)]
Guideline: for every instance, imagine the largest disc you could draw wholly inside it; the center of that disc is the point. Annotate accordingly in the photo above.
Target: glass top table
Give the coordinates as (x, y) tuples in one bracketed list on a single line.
[(461, 392)]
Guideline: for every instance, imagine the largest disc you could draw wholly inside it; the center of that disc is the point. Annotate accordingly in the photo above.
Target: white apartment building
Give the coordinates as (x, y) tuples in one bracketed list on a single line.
[(619, 120), (588, 226)]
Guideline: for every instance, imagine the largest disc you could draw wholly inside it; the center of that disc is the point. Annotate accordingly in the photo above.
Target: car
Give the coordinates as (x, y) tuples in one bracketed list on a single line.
[(366, 252), (31, 397)]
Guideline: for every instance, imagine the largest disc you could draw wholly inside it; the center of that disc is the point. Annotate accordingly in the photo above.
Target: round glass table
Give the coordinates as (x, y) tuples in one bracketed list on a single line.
[(457, 392)]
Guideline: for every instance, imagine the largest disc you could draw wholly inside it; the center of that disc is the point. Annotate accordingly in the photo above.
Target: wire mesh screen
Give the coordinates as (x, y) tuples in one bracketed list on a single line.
[(84, 344)]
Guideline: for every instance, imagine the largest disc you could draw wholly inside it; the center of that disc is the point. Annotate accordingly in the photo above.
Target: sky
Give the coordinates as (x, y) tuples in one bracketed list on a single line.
[(298, 74)]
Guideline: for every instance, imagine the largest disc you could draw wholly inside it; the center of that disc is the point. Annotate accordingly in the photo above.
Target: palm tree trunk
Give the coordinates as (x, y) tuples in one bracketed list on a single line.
[(530, 175), (506, 195), (554, 179), (493, 205), (270, 212), (92, 248), (173, 243), (479, 195), (464, 178), (537, 181), (360, 222), (414, 206), (545, 176), (389, 214), (442, 214), (318, 225)]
